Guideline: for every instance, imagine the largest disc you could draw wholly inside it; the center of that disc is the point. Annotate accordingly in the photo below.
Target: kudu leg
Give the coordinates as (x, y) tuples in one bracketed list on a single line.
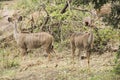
[(48, 53), (79, 53), (54, 54), (23, 53), (53, 51), (49, 57), (73, 53), (88, 58)]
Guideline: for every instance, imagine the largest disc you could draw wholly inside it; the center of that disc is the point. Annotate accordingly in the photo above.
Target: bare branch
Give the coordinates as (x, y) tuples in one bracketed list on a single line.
[(46, 19), (65, 7), (80, 9)]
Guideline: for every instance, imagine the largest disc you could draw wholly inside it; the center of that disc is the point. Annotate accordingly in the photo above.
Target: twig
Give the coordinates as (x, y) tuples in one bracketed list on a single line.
[(46, 19), (65, 7), (80, 9)]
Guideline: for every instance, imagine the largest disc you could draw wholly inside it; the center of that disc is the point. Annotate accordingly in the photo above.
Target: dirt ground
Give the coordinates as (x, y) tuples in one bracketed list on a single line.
[(62, 68)]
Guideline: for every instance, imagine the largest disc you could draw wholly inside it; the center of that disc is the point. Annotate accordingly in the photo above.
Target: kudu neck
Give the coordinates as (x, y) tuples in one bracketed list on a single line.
[(90, 38), (91, 31), (15, 28)]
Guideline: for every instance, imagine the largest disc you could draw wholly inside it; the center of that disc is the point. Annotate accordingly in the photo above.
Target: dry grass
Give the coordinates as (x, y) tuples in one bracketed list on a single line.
[(38, 68)]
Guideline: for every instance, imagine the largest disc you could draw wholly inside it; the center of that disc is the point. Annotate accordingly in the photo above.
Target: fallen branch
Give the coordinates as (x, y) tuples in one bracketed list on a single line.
[(80, 9), (65, 7)]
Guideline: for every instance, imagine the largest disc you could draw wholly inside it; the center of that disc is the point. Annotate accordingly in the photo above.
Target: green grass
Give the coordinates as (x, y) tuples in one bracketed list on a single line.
[(7, 60)]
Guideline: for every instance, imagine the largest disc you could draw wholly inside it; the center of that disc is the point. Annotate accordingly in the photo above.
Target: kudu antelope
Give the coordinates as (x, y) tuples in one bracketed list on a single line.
[(27, 41), (82, 41)]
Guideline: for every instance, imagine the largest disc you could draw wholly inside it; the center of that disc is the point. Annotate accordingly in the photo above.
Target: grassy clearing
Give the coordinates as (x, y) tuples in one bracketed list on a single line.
[(37, 67)]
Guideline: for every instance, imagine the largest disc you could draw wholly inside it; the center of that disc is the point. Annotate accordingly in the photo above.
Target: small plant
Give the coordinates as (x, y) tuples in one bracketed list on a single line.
[(117, 69), (11, 63), (117, 62), (6, 60)]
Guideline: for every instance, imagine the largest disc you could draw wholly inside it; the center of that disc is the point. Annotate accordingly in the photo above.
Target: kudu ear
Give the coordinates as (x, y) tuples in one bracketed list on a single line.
[(10, 19), (20, 18)]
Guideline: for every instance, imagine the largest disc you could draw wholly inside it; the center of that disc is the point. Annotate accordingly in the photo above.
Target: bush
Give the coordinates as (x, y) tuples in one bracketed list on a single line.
[(103, 37), (117, 69), (117, 62)]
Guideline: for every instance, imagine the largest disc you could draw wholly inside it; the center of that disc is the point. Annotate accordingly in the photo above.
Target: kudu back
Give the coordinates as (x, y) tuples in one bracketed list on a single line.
[(27, 41)]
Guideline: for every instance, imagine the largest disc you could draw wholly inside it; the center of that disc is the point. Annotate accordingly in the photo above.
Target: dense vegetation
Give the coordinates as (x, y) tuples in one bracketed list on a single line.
[(113, 18), (62, 25)]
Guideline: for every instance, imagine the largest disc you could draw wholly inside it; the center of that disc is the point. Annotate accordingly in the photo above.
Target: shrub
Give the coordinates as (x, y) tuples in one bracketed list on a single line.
[(117, 62)]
